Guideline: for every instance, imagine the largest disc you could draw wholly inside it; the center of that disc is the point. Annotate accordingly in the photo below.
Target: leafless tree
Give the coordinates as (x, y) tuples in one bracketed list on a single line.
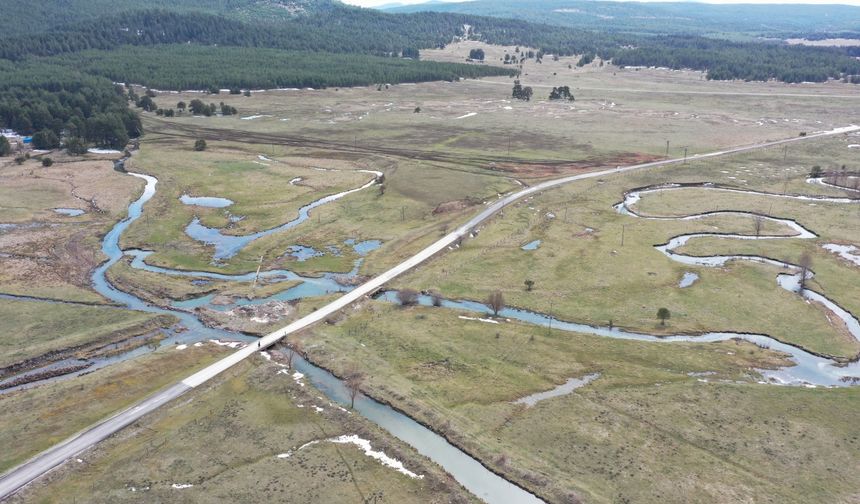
[(758, 223), (496, 301), (529, 284), (805, 264), (354, 380), (293, 348), (407, 297)]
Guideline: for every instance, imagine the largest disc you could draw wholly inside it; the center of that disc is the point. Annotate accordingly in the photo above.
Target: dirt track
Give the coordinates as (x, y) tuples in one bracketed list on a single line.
[(504, 165)]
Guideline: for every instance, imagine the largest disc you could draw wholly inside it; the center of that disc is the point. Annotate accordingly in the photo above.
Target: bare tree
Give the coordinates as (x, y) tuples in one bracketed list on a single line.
[(804, 264), (407, 297), (758, 224), (529, 284), (293, 348), (496, 302), (354, 380)]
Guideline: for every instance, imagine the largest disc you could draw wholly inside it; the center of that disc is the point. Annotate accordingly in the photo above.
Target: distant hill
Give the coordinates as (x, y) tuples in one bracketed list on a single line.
[(663, 18), (26, 17)]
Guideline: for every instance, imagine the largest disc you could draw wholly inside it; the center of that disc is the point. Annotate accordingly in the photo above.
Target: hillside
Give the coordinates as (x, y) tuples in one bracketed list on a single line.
[(663, 18)]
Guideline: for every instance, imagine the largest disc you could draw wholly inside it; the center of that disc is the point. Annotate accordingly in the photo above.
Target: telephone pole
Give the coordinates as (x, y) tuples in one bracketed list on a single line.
[(257, 275)]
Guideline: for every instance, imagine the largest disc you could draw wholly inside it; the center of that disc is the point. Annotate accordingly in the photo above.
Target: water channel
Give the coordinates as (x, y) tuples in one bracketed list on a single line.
[(808, 368)]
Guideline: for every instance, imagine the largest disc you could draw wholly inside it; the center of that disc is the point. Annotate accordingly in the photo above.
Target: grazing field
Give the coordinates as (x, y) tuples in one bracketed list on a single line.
[(582, 272), (44, 253), (37, 418), (32, 329), (256, 434), (661, 423)]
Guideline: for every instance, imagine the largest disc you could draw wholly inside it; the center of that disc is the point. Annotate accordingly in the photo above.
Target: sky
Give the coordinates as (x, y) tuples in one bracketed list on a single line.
[(375, 3)]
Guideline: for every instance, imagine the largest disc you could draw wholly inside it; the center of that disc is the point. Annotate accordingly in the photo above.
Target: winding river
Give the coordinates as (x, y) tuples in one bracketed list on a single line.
[(808, 369), (466, 470)]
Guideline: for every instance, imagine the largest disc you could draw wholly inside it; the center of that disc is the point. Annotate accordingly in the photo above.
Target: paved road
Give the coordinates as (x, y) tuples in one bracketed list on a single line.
[(47, 460)]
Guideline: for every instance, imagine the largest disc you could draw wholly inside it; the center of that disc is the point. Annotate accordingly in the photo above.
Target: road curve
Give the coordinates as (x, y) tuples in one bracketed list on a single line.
[(19, 476)]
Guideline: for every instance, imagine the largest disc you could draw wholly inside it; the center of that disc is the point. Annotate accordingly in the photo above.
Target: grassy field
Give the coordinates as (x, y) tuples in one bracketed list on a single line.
[(616, 113), (582, 273), (225, 440), (31, 328), (44, 253), (419, 201), (37, 418), (662, 423)]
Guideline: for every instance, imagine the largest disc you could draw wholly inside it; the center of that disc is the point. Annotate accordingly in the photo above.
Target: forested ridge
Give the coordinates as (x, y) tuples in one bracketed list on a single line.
[(182, 66), (60, 80)]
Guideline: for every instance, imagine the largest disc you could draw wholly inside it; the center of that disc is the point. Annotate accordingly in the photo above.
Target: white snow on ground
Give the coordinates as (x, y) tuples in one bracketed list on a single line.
[(378, 455), (103, 151), (180, 486), (263, 158), (266, 355), (297, 377), (296, 180), (847, 252), (251, 118), (231, 344), (854, 146), (318, 409), (489, 321), (199, 344), (181, 347), (470, 114)]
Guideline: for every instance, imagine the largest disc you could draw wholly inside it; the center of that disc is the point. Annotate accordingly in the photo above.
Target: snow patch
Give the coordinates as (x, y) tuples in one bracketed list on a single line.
[(231, 344), (103, 151), (470, 114), (180, 486), (489, 321), (181, 347), (364, 444), (251, 118)]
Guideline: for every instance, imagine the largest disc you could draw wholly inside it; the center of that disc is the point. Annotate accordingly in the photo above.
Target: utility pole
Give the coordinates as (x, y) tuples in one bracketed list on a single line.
[(623, 227), (509, 145), (667, 149), (685, 155), (257, 275), (784, 153)]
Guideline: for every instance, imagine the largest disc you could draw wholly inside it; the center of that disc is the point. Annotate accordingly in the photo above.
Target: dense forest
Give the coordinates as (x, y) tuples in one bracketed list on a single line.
[(182, 66), (724, 60), (38, 97)]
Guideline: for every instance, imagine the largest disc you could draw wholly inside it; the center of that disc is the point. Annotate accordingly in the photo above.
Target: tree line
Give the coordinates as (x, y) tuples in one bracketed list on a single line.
[(40, 99), (184, 67)]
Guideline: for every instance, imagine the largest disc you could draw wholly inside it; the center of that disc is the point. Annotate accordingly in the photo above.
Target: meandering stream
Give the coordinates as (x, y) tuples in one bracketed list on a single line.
[(808, 369), (466, 470)]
